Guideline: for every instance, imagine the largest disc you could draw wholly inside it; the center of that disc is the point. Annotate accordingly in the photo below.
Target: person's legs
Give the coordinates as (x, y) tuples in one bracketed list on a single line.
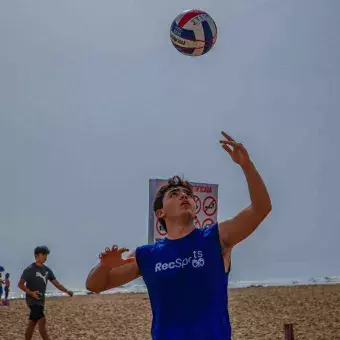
[(42, 328), (6, 293), (30, 329), (36, 313)]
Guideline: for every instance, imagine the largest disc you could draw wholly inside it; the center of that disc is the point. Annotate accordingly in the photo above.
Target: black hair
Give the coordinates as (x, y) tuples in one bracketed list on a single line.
[(7, 275), (173, 182), (41, 250)]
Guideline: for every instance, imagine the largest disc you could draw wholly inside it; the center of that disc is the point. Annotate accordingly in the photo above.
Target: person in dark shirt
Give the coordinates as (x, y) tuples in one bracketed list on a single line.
[(7, 285), (33, 282)]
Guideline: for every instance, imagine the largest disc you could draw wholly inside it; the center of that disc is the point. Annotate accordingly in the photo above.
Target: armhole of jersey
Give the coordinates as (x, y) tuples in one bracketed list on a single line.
[(221, 249), (217, 231), (214, 234), (142, 254), (139, 251), (229, 266)]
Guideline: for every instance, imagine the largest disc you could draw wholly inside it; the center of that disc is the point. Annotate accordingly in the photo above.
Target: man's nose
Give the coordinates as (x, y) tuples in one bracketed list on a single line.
[(184, 195)]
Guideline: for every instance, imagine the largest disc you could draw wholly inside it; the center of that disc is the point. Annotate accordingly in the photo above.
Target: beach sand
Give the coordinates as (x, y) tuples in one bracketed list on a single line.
[(256, 313)]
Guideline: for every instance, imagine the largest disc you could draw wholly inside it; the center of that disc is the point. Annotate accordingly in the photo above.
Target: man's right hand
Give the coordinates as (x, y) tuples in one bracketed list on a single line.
[(112, 258), (112, 271), (35, 295)]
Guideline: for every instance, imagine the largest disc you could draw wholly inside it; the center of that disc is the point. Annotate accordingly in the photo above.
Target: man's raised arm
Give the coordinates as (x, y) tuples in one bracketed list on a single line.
[(112, 271), (247, 220)]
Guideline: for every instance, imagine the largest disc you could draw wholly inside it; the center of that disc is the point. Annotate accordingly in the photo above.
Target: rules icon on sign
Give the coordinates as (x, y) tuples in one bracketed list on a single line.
[(198, 204), (209, 206), (207, 223), (197, 222), (160, 229)]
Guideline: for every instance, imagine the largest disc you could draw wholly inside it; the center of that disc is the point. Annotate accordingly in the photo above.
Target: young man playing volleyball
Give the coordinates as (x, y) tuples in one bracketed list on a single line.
[(185, 272)]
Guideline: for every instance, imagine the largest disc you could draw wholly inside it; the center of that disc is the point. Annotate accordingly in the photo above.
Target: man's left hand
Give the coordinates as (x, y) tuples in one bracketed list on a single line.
[(237, 151)]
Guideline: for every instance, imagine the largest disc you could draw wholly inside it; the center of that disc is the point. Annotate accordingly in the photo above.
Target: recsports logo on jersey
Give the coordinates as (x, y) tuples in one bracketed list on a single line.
[(196, 261)]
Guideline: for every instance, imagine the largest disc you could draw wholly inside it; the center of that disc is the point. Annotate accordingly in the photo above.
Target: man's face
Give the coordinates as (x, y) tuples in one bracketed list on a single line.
[(177, 203), (42, 258)]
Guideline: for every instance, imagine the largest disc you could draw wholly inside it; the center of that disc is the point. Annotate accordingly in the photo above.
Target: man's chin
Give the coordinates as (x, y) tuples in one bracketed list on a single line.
[(187, 216)]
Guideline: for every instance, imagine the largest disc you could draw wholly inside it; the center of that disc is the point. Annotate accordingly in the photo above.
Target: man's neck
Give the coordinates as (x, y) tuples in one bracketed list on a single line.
[(39, 264), (176, 231)]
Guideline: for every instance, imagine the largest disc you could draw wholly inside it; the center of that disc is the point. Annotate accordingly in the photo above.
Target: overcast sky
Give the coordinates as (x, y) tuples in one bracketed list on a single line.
[(94, 101)]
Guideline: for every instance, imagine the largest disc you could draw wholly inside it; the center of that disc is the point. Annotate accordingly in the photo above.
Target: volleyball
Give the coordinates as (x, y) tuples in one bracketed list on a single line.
[(193, 32)]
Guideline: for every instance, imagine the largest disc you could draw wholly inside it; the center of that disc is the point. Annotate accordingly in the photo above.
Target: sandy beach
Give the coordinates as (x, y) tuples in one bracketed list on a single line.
[(256, 313)]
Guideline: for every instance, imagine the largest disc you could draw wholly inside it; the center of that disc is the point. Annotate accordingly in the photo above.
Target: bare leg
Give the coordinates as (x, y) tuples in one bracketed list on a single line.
[(30, 329), (42, 329)]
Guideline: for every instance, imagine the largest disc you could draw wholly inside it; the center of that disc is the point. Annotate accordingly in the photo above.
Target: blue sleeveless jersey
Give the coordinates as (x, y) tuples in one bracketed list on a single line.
[(185, 279)]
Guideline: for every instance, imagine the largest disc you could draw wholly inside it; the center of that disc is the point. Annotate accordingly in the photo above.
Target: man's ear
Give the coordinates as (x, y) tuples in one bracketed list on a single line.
[(160, 213)]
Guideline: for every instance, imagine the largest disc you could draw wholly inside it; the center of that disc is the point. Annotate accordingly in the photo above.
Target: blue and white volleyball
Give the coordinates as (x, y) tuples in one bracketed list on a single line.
[(193, 32)]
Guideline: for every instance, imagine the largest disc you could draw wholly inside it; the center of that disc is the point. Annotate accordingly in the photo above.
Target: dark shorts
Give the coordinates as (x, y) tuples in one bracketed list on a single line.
[(36, 312), (6, 290), (1, 291)]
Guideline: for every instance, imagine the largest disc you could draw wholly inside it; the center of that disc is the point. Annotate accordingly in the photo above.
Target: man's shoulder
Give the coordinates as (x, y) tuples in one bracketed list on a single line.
[(210, 233), (47, 268), (148, 249), (208, 230), (29, 267), (144, 247), (51, 275), (28, 272)]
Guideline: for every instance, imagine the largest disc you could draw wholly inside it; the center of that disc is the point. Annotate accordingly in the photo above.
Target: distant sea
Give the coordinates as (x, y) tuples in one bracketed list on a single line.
[(138, 286)]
